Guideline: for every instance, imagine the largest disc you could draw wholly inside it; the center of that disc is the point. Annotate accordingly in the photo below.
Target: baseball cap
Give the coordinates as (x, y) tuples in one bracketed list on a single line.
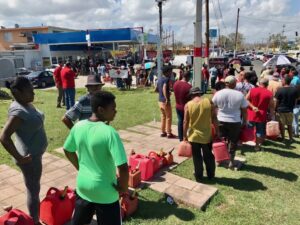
[(230, 79)]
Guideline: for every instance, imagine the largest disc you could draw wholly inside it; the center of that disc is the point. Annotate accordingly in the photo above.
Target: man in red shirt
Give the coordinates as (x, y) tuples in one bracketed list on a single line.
[(181, 90), (205, 78), (58, 84), (260, 100), (68, 84)]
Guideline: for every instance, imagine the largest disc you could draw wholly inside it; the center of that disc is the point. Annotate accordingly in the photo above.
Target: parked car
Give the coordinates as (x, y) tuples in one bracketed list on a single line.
[(260, 56), (52, 68), (41, 78), (242, 61), (23, 71), (229, 54), (218, 62), (267, 57), (246, 61), (251, 56)]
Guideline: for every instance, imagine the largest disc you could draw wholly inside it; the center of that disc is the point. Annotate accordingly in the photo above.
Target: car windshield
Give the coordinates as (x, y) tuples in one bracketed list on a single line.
[(34, 74)]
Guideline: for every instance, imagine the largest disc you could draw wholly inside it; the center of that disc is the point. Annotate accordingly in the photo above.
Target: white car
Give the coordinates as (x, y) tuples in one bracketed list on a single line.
[(260, 56), (52, 68)]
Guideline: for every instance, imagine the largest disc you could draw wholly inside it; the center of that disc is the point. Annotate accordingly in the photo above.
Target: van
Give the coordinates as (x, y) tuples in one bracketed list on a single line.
[(7, 70), (182, 60)]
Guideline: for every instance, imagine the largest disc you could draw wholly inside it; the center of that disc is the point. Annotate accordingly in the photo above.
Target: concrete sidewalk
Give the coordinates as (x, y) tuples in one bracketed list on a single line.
[(58, 172)]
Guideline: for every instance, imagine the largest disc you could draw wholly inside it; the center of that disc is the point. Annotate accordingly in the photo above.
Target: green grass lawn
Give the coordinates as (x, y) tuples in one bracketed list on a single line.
[(266, 191), (133, 108)]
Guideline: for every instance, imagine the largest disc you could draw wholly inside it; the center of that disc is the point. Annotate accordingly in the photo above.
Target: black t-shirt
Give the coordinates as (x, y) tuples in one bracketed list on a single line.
[(231, 71), (286, 97)]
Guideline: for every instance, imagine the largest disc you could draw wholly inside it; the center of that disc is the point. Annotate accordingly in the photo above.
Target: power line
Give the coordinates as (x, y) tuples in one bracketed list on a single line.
[(267, 20), (215, 12), (221, 16)]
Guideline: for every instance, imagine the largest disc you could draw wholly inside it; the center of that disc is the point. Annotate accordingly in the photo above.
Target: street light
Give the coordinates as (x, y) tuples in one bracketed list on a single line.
[(159, 4)]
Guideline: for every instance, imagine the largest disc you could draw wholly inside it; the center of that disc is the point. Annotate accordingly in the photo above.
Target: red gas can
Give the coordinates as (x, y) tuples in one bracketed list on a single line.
[(169, 157), (247, 134), (160, 161), (220, 151), (16, 217), (57, 207), (185, 149), (146, 165), (272, 129), (128, 203), (134, 177)]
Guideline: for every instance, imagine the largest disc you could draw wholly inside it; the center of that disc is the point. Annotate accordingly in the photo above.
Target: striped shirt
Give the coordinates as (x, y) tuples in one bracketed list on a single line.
[(81, 110)]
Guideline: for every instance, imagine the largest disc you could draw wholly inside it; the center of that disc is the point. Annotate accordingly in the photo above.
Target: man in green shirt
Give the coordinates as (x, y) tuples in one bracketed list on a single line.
[(99, 152)]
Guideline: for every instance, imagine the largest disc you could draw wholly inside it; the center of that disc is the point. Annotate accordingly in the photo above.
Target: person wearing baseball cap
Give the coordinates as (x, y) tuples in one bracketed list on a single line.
[(231, 105), (260, 101), (82, 108), (199, 113)]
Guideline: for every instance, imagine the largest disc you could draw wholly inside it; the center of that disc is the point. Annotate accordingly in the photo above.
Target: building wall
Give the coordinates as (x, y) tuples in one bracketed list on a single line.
[(10, 36), (24, 58)]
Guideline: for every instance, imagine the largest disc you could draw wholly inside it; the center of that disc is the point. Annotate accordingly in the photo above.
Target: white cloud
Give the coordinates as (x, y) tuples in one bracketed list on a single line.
[(178, 15)]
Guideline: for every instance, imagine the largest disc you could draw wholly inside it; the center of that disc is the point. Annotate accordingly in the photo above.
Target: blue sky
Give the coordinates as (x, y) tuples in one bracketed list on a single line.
[(295, 8)]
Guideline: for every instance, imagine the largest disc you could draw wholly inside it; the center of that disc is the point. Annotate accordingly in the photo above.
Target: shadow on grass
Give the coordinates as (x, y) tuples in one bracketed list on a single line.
[(286, 153), (242, 184), (158, 210), (270, 172), (161, 210), (281, 144)]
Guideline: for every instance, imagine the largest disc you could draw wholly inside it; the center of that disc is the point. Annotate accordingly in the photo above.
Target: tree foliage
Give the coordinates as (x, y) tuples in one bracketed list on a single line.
[(228, 41)]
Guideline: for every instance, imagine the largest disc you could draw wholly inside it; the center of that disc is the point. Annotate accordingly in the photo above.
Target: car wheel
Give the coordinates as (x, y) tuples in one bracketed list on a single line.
[(43, 84)]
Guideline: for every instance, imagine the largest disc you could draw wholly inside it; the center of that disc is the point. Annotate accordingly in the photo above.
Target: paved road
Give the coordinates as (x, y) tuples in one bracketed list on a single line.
[(257, 66)]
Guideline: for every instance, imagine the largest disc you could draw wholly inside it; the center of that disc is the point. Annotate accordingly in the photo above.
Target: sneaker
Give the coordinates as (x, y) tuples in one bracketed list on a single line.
[(291, 140), (171, 136), (257, 148), (163, 134), (231, 166)]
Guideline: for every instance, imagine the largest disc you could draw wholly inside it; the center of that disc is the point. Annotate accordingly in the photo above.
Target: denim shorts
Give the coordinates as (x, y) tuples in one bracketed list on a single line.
[(260, 128)]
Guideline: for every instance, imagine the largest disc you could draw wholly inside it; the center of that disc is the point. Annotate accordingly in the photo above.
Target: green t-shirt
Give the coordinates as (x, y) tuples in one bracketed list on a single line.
[(100, 150)]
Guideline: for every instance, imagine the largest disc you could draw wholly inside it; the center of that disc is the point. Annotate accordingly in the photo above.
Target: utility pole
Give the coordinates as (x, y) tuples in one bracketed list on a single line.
[(219, 45), (173, 41), (207, 31), (236, 31), (159, 50), (198, 46), (280, 46), (269, 40)]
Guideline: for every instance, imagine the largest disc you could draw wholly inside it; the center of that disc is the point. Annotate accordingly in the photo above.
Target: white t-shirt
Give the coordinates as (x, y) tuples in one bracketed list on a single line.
[(229, 103)]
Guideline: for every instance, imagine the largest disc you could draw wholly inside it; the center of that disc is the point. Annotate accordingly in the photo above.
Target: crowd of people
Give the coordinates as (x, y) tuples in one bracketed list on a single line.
[(237, 102)]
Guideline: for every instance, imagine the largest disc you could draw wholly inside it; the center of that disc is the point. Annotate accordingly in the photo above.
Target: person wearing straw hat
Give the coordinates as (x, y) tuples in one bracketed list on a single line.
[(198, 115), (231, 105), (82, 108)]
